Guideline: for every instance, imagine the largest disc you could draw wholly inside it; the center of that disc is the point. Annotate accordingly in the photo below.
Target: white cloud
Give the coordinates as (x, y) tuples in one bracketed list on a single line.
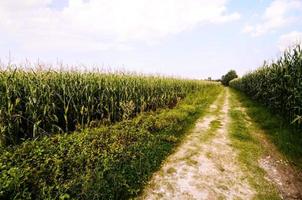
[(276, 15), (102, 24), (289, 39)]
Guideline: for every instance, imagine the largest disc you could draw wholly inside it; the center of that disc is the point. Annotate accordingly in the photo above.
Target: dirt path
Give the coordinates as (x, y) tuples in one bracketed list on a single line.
[(204, 166)]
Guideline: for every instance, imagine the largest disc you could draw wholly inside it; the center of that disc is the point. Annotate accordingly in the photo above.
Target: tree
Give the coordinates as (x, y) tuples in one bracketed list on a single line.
[(225, 79)]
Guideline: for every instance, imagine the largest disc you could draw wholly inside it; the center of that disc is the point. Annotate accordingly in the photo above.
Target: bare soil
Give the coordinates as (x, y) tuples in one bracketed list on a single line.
[(204, 166)]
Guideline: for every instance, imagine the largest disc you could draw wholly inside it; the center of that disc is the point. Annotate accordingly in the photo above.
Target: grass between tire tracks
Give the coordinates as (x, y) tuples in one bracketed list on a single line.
[(249, 150), (215, 124), (109, 162)]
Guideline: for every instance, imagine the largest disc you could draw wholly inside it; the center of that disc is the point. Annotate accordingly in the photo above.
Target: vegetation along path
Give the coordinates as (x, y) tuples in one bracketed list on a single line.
[(225, 156)]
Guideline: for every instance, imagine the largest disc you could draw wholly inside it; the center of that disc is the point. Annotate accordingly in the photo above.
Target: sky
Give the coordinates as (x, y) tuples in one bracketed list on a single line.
[(184, 38)]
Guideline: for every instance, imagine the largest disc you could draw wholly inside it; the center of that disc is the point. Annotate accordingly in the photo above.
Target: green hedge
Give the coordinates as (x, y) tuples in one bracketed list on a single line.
[(109, 162), (277, 85)]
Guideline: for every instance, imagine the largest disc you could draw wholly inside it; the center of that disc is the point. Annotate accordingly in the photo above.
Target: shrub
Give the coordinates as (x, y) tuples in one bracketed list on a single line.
[(225, 79)]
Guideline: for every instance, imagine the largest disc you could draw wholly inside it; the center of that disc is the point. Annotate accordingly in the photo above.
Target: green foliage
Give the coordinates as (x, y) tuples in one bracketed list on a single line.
[(250, 150), (287, 139), (109, 162), (277, 85), (225, 79), (45, 102)]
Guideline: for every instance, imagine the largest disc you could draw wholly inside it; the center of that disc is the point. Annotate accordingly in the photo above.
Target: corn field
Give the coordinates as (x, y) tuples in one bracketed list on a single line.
[(277, 85), (45, 102)]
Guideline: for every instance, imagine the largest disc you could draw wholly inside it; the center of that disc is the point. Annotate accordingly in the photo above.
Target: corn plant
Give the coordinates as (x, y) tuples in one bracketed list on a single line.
[(35, 103), (277, 85)]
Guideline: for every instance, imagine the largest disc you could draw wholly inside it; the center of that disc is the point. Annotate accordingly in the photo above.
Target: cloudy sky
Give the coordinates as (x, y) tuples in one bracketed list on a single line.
[(188, 38)]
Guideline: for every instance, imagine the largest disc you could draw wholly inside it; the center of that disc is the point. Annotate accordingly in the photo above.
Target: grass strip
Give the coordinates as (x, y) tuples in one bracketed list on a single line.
[(287, 139), (249, 151)]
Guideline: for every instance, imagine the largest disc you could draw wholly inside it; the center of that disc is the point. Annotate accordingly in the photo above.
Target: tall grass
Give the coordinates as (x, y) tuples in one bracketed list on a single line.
[(43, 102), (277, 85)]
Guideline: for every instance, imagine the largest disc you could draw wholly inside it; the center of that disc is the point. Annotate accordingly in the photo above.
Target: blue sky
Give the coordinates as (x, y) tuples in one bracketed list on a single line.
[(186, 38)]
